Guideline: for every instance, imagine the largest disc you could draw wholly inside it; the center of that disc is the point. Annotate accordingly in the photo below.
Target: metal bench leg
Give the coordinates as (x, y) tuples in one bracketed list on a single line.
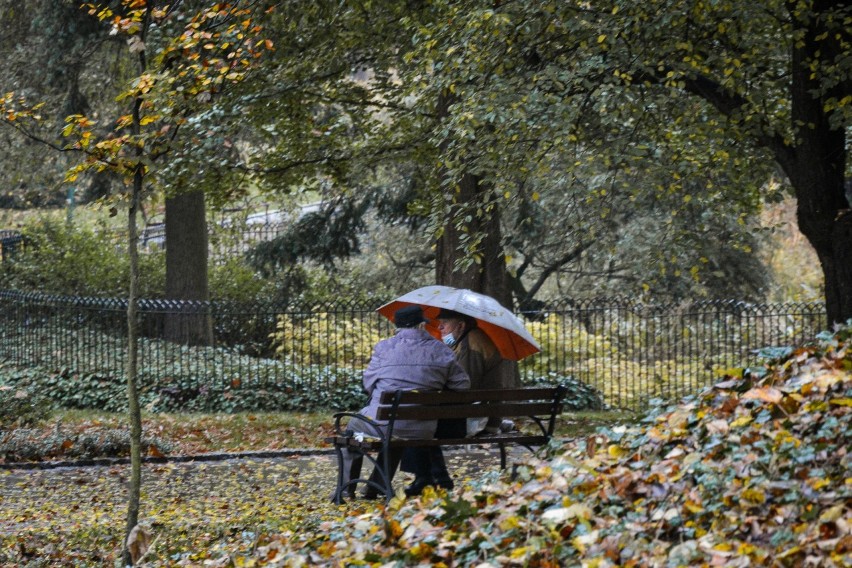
[(348, 472), (384, 468), (335, 498)]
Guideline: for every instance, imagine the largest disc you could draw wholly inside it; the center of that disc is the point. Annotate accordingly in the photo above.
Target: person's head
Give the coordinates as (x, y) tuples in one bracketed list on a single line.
[(453, 325), (409, 316)]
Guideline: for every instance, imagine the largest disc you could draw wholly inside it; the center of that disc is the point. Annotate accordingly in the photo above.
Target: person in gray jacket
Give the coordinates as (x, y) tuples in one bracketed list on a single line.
[(409, 360)]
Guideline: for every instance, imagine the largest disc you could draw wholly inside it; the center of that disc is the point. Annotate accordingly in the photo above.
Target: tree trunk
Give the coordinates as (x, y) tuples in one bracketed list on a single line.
[(186, 269), (488, 275), (816, 169), (134, 410)]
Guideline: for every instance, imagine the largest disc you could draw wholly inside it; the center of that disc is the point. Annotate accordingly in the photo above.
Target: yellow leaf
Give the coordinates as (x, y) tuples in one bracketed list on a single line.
[(616, 451), (394, 529), (519, 552), (789, 552), (741, 421), (754, 496), (509, 523), (832, 514), (693, 507), (601, 38), (746, 548), (841, 401)]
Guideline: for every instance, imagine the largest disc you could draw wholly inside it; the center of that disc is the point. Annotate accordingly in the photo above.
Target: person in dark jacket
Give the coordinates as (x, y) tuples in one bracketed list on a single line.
[(480, 358), (409, 360)]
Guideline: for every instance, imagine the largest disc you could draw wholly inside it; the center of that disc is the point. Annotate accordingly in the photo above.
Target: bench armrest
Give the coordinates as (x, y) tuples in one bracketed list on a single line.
[(340, 431)]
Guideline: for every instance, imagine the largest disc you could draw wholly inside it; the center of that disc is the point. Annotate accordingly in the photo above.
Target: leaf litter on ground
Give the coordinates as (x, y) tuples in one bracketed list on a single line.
[(752, 472)]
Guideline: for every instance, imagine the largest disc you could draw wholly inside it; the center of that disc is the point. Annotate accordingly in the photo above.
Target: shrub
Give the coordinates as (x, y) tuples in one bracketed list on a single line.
[(331, 340), (31, 445), (306, 389), (232, 280), (578, 396), (562, 343), (79, 261), (20, 407)]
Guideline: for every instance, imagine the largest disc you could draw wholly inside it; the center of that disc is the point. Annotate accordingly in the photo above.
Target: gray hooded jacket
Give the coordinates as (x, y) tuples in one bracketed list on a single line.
[(411, 360)]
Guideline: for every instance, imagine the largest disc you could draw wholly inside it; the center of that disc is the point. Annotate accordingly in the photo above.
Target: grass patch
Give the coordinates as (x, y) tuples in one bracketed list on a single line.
[(192, 433), (584, 423)]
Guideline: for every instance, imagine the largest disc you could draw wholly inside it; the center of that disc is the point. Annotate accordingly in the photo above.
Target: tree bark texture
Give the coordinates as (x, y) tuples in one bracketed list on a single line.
[(133, 408), (816, 167), (488, 276), (186, 269)]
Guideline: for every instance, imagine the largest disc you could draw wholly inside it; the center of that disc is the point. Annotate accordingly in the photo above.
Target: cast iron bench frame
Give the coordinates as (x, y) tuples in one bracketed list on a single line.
[(540, 404)]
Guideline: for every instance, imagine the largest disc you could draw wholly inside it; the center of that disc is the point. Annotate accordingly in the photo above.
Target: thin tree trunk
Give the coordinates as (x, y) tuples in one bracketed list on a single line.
[(135, 413)]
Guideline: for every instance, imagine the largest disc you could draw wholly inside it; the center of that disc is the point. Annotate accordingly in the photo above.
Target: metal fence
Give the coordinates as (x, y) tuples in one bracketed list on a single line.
[(630, 351), (11, 241)]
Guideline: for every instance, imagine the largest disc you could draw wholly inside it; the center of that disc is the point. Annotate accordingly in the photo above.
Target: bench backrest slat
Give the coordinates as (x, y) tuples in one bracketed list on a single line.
[(500, 410)]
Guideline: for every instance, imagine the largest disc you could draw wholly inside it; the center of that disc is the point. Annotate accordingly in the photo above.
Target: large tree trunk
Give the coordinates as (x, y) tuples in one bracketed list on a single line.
[(186, 268), (489, 275), (816, 169)]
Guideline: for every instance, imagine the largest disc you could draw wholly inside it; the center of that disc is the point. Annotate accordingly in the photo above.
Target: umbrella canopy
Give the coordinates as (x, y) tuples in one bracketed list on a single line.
[(500, 324)]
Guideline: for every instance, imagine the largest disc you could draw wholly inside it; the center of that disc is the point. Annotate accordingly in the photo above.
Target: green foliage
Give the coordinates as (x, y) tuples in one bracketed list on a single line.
[(89, 260), (232, 280), (569, 341), (25, 445), (306, 389), (331, 339), (79, 261), (578, 395), (21, 407)]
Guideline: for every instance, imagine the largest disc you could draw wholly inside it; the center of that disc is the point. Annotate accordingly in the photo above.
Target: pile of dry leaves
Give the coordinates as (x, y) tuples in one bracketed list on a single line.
[(755, 471)]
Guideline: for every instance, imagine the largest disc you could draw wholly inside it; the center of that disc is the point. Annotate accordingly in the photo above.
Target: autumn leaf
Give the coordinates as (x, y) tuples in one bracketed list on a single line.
[(765, 394), (138, 542)]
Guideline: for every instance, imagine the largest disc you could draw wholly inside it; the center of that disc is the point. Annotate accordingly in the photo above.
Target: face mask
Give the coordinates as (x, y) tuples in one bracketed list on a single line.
[(449, 339)]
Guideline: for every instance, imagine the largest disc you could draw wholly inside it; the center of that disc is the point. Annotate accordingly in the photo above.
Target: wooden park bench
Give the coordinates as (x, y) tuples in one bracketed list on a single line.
[(541, 405)]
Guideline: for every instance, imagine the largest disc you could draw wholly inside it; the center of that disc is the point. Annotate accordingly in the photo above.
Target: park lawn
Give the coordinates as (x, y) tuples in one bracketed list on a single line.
[(190, 434)]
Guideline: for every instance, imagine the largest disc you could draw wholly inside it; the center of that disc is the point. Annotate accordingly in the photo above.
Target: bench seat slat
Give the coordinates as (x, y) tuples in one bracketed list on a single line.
[(469, 396), (372, 444), (502, 410)]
